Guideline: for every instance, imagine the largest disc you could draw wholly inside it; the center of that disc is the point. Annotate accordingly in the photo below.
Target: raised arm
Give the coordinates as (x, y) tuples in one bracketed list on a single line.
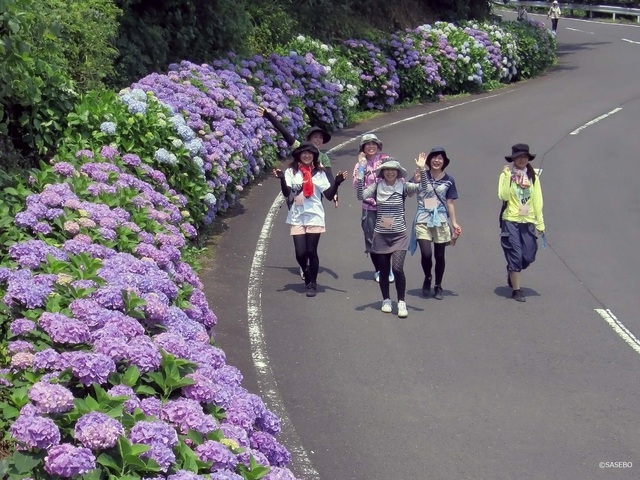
[(332, 191), (284, 188), (504, 184), (274, 121)]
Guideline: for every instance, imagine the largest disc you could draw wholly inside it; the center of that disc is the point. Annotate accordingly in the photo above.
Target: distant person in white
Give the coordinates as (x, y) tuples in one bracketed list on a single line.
[(554, 14)]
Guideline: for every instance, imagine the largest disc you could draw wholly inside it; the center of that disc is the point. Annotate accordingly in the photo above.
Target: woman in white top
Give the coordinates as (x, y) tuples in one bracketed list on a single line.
[(303, 185), (554, 13)]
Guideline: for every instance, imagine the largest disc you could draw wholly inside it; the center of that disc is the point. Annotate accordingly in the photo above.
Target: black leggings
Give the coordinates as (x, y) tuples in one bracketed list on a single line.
[(306, 246), (426, 260), (388, 262)]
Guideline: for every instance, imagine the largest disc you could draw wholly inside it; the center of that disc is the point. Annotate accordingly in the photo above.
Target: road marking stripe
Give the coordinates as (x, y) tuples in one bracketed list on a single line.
[(595, 120), (576, 30), (630, 41), (266, 378), (619, 328)]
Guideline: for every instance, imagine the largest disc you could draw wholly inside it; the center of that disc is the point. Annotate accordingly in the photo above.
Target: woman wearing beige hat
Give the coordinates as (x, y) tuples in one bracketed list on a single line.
[(390, 240)]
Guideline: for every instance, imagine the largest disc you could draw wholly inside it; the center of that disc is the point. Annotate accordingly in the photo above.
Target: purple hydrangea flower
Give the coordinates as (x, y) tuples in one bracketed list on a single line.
[(67, 461), (126, 391), (97, 431), (63, 329), (20, 346), (162, 454), (151, 407), (185, 414), (21, 326), (278, 473), (212, 451), (153, 432), (272, 449), (226, 474), (235, 433), (89, 367), (51, 398), (47, 359), (35, 432), (185, 475)]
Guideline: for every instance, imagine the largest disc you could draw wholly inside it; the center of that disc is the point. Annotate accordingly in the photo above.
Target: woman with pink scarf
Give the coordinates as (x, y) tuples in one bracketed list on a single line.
[(370, 158), (521, 219)]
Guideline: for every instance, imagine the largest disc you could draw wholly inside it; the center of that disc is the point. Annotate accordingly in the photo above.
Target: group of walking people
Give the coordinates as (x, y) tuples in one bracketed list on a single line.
[(382, 185)]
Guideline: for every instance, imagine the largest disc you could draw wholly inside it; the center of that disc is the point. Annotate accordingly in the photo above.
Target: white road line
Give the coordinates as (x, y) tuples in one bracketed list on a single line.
[(630, 41), (619, 328), (266, 378), (595, 120), (576, 30)]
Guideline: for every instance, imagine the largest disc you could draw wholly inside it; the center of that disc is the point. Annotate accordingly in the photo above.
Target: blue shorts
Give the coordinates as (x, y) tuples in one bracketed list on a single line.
[(519, 242)]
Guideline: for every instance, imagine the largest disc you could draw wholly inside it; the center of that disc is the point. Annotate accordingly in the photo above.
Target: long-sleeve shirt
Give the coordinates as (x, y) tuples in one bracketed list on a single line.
[(517, 197), (370, 177), (390, 216), (554, 12)]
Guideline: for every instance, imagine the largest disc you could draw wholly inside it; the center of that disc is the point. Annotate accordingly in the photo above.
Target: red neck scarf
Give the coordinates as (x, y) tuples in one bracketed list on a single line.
[(307, 183)]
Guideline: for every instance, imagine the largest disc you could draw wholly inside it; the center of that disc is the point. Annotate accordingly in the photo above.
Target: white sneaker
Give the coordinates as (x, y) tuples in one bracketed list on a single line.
[(377, 276), (386, 306), (402, 309), (301, 273), (391, 277)]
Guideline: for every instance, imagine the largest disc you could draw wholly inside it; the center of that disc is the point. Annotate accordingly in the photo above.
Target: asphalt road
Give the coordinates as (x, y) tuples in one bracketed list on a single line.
[(476, 386)]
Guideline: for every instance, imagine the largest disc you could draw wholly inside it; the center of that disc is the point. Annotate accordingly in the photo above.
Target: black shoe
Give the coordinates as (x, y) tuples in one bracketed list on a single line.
[(518, 296), (426, 287), (311, 290), (437, 292)]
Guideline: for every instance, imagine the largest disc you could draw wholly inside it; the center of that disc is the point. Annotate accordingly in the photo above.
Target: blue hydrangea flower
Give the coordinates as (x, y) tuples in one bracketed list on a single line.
[(108, 127)]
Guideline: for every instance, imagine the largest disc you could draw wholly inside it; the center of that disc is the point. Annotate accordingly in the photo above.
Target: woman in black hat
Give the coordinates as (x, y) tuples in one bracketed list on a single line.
[(315, 135), (435, 210), (521, 218), (303, 185)]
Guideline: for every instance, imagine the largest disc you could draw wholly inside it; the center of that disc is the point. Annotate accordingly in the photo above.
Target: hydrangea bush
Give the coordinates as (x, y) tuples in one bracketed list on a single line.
[(418, 72), (380, 83), (338, 68), (110, 367)]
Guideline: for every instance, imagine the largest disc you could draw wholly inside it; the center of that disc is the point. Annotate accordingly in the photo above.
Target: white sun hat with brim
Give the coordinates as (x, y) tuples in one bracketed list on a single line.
[(391, 164)]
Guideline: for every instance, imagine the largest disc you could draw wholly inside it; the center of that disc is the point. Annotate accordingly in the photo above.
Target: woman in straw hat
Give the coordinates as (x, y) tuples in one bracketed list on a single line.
[(370, 157), (390, 240), (521, 219), (303, 185)]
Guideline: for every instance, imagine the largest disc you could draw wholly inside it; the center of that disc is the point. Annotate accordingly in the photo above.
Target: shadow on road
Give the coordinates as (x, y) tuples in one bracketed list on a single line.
[(417, 292)]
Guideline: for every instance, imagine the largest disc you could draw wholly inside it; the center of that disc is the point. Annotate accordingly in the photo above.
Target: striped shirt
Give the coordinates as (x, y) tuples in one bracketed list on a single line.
[(390, 214)]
